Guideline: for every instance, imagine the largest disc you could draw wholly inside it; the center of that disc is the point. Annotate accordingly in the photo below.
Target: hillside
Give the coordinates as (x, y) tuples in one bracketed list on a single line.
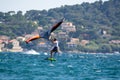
[(94, 16), (90, 19)]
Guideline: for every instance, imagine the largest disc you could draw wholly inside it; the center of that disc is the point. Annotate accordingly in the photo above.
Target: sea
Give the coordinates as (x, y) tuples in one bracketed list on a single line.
[(32, 65)]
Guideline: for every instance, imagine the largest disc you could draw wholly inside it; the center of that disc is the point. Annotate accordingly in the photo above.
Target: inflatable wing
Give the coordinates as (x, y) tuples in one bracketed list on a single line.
[(56, 25)]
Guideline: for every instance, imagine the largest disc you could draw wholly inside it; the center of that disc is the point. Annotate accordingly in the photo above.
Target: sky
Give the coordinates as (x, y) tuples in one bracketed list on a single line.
[(26, 5)]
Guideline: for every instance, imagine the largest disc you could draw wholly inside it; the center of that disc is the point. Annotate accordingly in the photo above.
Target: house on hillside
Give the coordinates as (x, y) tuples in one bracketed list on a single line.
[(104, 33), (63, 35), (20, 38), (4, 39), (74, 42), (84, 42), (16, 47), (40, 28), (114, 42), (68, 27)]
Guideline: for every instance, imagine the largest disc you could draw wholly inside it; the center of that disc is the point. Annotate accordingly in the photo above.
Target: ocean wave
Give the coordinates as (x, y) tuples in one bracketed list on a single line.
[(33, 52)]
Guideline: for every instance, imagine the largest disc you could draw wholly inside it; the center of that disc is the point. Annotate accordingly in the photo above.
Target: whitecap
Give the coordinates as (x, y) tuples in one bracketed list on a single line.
[(34, 64), (32, 52), (98, 71), (51, 65), (70, 66), (81, 57), (119, 60), (45, 53)]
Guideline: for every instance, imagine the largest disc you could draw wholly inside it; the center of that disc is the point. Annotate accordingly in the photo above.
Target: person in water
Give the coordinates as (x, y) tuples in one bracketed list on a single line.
[(55, 48), (46, 34)]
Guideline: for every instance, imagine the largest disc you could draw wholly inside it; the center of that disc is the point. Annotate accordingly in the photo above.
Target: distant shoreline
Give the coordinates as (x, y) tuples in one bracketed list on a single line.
[(71, 52)]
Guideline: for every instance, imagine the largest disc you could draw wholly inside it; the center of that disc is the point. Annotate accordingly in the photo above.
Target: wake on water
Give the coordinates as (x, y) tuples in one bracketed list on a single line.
[(32, 52)]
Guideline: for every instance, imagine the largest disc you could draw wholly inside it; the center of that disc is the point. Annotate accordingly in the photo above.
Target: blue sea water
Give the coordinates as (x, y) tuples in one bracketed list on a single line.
[(26, 66)]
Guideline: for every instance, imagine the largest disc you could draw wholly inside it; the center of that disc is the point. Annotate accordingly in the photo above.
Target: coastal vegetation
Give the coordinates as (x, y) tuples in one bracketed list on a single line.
[(98, 22)]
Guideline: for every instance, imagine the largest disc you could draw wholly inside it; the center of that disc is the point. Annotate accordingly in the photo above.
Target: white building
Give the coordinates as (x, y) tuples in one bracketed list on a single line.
[(74, 42), (16, 47), (68, 26)]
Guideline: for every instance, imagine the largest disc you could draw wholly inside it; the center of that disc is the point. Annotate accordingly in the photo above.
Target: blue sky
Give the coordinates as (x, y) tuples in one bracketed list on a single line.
[(25, 5)]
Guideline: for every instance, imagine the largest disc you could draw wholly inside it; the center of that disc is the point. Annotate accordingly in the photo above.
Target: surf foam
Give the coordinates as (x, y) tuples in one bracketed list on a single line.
[(32, 52)]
